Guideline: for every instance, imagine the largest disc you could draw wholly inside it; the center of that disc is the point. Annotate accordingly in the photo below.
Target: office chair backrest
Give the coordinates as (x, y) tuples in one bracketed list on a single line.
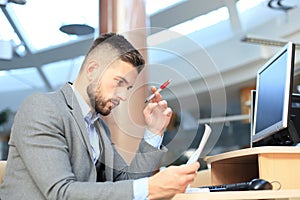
[(2, 169)]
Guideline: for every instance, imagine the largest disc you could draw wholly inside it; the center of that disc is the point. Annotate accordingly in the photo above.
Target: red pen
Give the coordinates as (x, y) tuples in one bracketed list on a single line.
[(163, 86)]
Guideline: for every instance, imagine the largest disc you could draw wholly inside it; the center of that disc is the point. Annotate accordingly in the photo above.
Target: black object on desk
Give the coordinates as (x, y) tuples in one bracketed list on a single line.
[(255, 184)]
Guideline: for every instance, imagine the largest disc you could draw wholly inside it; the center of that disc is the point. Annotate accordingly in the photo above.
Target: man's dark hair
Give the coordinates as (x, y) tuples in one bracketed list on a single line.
[(127, 52)]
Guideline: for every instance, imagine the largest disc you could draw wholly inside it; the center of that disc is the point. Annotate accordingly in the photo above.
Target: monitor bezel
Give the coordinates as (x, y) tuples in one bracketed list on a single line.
[(283, 123), (252, 108)]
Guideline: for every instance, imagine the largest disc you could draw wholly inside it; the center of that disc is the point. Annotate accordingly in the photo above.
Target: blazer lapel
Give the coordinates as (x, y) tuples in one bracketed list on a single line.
[(107, 148), (75, 110)]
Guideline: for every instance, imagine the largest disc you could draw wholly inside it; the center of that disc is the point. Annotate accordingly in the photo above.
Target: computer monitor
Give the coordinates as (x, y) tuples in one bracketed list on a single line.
[(252, 110), (272, 122)]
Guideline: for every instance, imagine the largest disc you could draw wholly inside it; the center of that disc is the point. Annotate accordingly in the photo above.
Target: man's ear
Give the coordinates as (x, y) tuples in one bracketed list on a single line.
[(92, 70)]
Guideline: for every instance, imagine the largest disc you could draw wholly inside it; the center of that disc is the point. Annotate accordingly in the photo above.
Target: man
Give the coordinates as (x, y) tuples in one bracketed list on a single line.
[(60, 148)]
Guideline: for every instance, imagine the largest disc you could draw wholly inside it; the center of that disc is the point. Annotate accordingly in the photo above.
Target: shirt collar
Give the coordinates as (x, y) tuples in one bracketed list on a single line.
[(85, 108)]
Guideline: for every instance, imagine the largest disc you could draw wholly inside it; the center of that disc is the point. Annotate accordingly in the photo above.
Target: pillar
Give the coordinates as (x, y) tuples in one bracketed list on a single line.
[(126, 122)]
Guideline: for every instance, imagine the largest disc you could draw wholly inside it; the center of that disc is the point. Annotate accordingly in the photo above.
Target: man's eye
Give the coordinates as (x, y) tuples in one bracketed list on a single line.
[(120, 82)]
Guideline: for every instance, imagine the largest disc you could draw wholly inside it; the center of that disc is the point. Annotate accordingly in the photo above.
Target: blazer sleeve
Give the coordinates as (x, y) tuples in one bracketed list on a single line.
[(145, 162)]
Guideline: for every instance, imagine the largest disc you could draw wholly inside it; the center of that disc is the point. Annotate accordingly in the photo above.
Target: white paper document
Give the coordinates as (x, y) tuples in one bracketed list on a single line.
[(202, 143), (195, 156)]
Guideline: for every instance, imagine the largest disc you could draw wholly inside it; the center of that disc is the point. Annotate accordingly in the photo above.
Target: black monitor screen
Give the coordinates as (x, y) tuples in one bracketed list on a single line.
[(274, 83)]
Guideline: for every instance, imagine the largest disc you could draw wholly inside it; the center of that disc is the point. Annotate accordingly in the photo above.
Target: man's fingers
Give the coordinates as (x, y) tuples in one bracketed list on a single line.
[(163, 104), (168, 112), (153, 89), (191, 168), (150, 107), (190, 177)]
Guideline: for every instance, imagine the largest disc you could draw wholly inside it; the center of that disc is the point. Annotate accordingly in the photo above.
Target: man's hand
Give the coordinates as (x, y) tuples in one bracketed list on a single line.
[(171, 181), (157, 114)]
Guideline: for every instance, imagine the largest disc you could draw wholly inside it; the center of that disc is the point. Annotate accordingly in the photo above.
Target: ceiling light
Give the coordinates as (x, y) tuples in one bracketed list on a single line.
[(21, 2), (20, 50), (264, 41), (77, 29), (4, 2)]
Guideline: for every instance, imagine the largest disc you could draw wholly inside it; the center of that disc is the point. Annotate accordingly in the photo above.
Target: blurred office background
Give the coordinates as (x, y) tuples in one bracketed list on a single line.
[(211, 50)]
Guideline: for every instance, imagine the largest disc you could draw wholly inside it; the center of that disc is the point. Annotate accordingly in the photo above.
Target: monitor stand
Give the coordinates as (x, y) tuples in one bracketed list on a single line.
[(286, 137)]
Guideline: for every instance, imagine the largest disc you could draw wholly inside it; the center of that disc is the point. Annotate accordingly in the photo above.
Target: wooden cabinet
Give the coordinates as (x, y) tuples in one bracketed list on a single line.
[(274, 164)]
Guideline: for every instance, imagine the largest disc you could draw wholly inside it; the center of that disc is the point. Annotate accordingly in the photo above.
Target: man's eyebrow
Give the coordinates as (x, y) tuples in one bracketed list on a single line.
[(120, 77)]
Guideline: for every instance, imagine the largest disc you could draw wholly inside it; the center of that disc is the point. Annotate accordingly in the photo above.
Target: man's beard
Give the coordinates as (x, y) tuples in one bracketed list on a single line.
[(97, 101)]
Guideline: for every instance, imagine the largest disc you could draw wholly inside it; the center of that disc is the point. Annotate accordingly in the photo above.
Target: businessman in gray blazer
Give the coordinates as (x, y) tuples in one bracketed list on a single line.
[(60, 148)]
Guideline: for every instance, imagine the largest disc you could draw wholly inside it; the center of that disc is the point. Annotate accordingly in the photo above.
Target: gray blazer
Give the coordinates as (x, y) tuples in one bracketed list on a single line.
[(50, 156)]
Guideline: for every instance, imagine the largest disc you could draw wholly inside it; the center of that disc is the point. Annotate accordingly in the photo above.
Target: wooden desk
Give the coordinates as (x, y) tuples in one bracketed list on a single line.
[(270, 163), (279, 195), (280, 164)]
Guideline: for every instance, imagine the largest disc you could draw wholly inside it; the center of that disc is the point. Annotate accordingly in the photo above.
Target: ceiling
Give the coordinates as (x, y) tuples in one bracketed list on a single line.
[(197, 43)]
